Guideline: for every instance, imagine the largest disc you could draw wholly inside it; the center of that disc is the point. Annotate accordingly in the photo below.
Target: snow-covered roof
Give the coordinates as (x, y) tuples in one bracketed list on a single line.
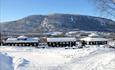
[(93, 35), (94, 39), (53, 33), (71, 32), (56, 33), (22, 37), (15, 40), (61, 39), (11, 39)]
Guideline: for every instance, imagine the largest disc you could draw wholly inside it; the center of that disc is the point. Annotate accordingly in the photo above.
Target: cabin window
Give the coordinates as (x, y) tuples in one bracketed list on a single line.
[(100, 43), (73, 43), (58, 44), (49, 44), (105, 42), (65, 44), (94, 43)]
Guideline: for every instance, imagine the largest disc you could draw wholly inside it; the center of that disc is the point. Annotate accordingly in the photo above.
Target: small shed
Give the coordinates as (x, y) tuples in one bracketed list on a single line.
[(94, 39), (61, 42), (22, 41)]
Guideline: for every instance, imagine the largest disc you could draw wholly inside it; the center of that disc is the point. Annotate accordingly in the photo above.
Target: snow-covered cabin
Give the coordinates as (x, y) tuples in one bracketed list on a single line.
[(94, 39), (61, 42), (22, 41)]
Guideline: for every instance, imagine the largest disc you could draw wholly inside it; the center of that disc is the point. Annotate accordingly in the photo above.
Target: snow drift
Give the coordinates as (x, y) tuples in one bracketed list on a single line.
[(5, 62), (57, 59), (101, 59)]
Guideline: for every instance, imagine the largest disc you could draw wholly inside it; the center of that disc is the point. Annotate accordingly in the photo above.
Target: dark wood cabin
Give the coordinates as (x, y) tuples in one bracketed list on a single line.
[(61, 42)]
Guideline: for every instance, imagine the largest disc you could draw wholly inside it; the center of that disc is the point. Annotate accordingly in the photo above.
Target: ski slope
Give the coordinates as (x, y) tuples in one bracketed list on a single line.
[(29, 58)]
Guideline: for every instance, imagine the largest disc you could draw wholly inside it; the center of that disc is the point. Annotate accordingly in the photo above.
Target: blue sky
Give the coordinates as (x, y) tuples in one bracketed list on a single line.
[(17, 9)]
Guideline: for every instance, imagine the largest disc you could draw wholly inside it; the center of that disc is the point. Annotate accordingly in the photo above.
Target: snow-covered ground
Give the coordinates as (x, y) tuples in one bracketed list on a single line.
[(29, 58)]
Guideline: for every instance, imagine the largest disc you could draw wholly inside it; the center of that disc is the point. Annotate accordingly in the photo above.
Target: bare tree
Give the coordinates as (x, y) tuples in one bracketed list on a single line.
[(105, 6)]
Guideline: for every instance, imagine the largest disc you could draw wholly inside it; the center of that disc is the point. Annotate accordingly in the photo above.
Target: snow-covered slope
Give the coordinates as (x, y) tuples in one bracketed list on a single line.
[(27, 58)]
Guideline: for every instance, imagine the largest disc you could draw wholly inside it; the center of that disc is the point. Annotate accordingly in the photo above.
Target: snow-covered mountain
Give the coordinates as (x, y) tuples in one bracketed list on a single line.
[(59, 22)]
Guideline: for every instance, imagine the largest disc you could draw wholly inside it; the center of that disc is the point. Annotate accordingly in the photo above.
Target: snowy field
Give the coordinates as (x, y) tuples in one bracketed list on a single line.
[(29, 58)]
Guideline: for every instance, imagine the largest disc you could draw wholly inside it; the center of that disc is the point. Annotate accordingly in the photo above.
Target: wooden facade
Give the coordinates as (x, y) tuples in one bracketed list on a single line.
[(61, 42), (97, 42), (94, 39), (94, 42), (22, 44)]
